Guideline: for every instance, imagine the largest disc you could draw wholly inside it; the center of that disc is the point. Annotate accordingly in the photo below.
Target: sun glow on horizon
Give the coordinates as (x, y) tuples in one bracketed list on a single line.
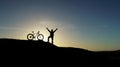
[(37, 26)]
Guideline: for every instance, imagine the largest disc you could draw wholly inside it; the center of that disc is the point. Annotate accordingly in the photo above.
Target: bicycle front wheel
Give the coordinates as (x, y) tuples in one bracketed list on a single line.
[(40, 37)]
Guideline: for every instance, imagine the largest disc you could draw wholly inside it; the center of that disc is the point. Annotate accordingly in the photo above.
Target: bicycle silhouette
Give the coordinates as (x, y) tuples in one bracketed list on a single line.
[(32, 36)]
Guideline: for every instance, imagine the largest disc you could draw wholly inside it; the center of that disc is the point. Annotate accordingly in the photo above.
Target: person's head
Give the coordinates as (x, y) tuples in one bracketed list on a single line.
[(51, 29)]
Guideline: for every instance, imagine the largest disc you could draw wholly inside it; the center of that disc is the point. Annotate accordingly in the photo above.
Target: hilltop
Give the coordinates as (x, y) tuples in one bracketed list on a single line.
[(47, 51), (14, 43)]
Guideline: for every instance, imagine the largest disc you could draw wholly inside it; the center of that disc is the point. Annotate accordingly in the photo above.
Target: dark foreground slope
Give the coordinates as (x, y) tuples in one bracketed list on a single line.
[(44, 52), (23, 44)]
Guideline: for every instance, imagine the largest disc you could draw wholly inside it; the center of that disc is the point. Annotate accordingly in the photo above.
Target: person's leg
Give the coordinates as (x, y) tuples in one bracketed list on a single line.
[(52, 40), (48, 38)]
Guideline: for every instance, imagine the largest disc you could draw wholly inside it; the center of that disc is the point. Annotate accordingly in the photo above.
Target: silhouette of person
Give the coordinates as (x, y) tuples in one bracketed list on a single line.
[(51, 34)]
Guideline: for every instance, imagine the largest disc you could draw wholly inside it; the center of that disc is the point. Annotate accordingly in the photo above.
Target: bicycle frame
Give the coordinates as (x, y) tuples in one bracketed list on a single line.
[(35, 34)]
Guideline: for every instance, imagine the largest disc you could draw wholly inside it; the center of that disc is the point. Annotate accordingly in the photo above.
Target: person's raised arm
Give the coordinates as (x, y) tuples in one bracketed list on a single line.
[(55, 29), (48, 29)]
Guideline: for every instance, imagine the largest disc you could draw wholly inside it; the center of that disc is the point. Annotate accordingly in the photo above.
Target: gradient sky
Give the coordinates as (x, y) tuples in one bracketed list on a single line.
[(88, 24)]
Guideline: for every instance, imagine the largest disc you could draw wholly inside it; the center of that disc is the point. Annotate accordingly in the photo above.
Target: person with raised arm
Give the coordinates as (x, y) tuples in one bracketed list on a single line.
[(51, 34)]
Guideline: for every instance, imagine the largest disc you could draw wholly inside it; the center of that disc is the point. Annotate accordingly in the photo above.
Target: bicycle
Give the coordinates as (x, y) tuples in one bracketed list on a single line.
[(32, 36)]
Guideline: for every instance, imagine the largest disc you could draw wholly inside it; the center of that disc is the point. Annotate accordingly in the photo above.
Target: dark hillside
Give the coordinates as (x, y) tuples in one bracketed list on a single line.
[(44, 51)]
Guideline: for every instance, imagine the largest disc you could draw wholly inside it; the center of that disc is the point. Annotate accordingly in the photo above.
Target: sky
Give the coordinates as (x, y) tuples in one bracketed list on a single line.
[(88, 24)]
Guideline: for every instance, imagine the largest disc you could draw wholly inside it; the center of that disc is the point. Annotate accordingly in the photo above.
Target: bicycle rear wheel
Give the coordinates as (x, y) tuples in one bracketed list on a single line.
[(30, 36)]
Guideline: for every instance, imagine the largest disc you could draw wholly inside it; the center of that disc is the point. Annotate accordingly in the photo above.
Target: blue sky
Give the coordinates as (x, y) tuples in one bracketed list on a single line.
[(89, 24)]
